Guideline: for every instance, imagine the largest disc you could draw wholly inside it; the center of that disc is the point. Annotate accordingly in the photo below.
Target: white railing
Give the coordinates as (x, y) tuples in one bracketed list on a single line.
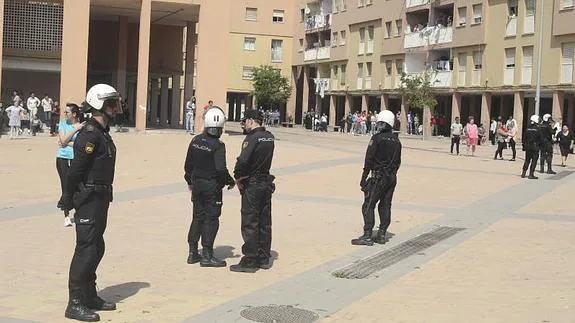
[(461, 78), (321, 86), (317, 21), (511, 27), (529, 24), (566, 73), (476, 77), (415, 3), (359, 84), (428, 36), (387, 82), (509, 76), (367, 84), (369, 47), (317, 53), (441, 78), (526, 73), (361, 48)]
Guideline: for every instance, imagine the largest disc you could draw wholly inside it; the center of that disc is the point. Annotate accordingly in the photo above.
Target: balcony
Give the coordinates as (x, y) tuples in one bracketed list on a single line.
[(321, 86), (441, 78), (387, 82), (317, 54), (526, 73), (476, 81), (428, 36), (509, 76), (415, 3), (566, 73), (529, 24), (315, 22), (511, 27), (359, 84), (367, 84)]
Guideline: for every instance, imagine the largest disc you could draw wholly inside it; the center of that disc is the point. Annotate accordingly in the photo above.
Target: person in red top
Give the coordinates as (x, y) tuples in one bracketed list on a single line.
[(434, 125), (210, 104), (442, 125)]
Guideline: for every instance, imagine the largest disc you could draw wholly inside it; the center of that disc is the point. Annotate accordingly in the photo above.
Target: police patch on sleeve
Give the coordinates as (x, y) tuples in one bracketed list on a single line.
[(89, 148), (245, 145)]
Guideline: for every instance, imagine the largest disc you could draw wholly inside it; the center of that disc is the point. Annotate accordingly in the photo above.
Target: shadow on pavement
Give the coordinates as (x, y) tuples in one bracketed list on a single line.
[(118, 293)]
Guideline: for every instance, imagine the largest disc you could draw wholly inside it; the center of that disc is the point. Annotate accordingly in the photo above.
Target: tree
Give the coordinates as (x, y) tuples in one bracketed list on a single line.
[(416, 89), (270, 87)]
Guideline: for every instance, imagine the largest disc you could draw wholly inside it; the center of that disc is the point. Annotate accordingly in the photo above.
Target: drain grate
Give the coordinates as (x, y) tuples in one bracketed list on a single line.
[(279, 314), (386, 258), (561, 175)]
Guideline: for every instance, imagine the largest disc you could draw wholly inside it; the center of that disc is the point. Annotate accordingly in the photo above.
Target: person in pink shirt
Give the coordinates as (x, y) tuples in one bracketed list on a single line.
[(472, 135)]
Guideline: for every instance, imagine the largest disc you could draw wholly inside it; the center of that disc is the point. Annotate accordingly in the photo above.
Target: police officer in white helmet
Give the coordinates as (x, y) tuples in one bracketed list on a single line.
[(88, 189), (206, 174), (531, 143), (546, 132), (382, 161)]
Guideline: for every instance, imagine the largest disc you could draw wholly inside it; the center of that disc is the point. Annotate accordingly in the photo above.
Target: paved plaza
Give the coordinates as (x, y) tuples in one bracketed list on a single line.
[(511, 260)]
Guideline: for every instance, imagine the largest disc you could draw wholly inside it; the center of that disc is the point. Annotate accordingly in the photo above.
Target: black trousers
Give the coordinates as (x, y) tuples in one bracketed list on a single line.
[(379, 192), (455, 140), (546, 156), (207, 204), (512, 146), (62, 166), (257, 219), (91, 218), (530, 163), (500, 146)]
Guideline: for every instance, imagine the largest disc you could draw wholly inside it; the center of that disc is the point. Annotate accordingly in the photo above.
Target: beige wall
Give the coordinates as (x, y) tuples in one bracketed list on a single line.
[(471, 33), (563, 19), (353, 44)]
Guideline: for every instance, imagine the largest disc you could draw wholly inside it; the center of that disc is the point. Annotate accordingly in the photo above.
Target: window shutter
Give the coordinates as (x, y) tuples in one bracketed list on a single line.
[(527, 56)]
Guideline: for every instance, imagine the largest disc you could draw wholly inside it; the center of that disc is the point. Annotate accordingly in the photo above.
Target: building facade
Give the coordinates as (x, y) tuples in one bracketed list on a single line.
[(200, 48), (481, 55)]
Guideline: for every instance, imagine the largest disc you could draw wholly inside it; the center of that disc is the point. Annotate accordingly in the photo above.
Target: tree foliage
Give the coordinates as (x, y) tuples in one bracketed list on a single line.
[(270, 87), (416, 88)]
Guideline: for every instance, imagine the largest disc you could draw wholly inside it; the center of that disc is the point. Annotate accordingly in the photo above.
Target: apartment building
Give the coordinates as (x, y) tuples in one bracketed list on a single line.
[(481, 56), (204, 48)]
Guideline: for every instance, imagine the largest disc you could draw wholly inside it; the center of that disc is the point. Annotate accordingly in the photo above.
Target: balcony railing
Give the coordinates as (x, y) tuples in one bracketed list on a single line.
[(387, 82), (566, 73), (509, 76), (428, 36), (317, 53), (321, 86), (317, 22), (367, 84), (415, 3), (529, 24), (526, 73), (511, 27), (441, 78), (476, 78), (359, 84)]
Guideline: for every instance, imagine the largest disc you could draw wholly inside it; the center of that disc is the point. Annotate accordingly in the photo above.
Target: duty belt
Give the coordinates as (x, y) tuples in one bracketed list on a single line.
[(99, 187)]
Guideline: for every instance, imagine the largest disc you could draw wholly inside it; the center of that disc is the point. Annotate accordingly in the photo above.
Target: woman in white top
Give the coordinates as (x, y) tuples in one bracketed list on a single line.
[(15, 122)]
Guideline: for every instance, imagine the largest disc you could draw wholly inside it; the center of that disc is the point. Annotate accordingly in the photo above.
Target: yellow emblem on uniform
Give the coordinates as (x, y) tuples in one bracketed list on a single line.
[(245, 145), (89, 148)]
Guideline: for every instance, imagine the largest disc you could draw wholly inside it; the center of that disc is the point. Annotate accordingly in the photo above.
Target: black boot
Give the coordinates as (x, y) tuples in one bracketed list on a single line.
[(523, 173), (364, 240), (380, 237), (246, 266), (78, 311), (208, 259), (532, 175), (194, 257), (95, 302)]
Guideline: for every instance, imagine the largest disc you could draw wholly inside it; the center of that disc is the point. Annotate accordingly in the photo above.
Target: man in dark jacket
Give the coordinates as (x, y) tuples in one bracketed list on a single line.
[(531, 143)]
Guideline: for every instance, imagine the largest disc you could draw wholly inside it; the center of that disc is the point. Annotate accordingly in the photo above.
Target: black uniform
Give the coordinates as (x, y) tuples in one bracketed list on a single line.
[(382, 159), (531, 143), (546, 146), (89, 189), (252, 170), (206, 171)]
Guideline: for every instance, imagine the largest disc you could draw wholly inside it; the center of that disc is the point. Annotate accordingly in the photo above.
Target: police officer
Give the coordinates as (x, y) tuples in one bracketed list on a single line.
[(546, 133), (531, 143), (206, 174), (382, 159), (89, 191), (252, 174)]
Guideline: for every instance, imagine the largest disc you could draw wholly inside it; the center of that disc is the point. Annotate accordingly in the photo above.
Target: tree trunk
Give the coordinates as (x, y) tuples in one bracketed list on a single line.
[(426, 122)]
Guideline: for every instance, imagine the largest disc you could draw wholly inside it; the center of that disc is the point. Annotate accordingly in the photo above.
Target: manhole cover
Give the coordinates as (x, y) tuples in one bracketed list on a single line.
[(279, 314)]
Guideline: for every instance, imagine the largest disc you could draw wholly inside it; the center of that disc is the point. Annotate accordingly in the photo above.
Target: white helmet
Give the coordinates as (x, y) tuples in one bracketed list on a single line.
[(387, 117), (100, 93), (214, 121), (546, 117), (534, 118)]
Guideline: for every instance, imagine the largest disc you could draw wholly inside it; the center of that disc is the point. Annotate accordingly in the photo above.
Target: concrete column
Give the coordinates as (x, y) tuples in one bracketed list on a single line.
[(1, 37), (332, 109), (518, 113), (164, 92), (122, 56), (154, 102), (365, 102), (290, 109), (132, 101), (558, 107), (486, 109), (74, 71), (347, 108), (305, 101), (318, 102), (143, 65), (190, 57), (455, 105), (570, 112), (384, 101), (212, 78), (403, 118), (176, 103)]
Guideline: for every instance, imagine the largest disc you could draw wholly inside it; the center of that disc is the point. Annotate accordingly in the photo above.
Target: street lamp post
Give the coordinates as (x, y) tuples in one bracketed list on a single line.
[(539, 60)]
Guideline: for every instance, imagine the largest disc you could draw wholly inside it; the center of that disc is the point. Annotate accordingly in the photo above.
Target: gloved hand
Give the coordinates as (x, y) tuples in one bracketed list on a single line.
[(66, 203)]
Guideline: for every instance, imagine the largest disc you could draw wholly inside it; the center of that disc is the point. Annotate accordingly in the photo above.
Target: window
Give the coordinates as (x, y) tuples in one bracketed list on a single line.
[(342, 75), (251, 14), (335, 6), (278, 16), (388, 70), (399, 28), (334, 39), (360, 3), (512, 7), (249, 43), (248, 73), (370, 40), (399, 67), (567, 53), (302, 15), (477, 14), (567, 4), (334, 72), (301, 44), (510, 57), (342, 38), (530, 7), (361, 41), (368, 2), (388, 29), (477, 60), (368, 69), (527, 68), (277, 50), (462, 16), (343, 5), (359, 70)]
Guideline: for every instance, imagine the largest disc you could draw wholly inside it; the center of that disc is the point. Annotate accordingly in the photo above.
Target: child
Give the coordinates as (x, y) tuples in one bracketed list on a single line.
[(36, 125)]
